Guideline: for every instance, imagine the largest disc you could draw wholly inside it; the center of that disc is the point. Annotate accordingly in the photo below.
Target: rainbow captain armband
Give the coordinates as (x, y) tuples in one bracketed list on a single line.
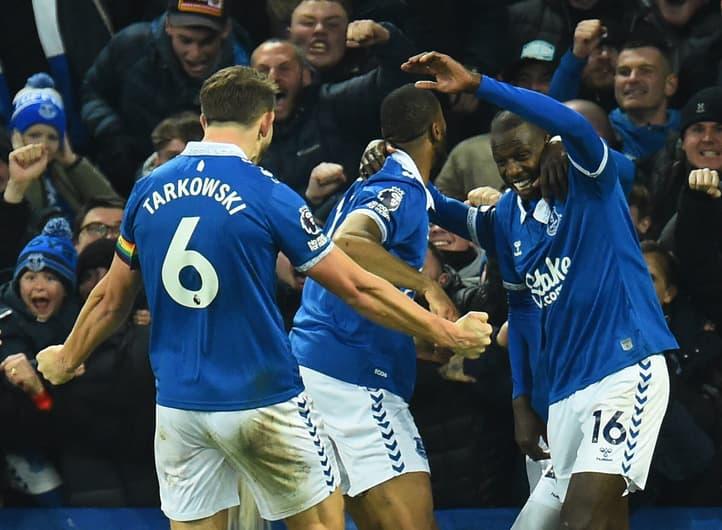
[(127, 251)]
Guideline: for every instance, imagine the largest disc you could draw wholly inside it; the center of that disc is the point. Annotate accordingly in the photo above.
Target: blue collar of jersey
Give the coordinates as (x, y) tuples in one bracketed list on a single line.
[(213, 149), (541, 213), (410, 170)]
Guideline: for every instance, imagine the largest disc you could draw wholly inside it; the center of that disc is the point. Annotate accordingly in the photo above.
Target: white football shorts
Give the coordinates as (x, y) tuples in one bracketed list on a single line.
[(371, 430), (281, 452)]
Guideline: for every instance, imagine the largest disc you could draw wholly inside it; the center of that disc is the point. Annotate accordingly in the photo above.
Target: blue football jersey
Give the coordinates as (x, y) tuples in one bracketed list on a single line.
[(579, 260), (328, 335), (205, 230)]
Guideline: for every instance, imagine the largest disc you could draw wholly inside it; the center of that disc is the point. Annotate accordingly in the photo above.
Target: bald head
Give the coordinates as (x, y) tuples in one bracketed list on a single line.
[(596, 116)]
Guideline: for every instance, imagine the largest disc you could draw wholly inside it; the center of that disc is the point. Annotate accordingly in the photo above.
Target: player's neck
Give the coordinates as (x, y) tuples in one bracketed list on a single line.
[(246, 139), (423, 158)]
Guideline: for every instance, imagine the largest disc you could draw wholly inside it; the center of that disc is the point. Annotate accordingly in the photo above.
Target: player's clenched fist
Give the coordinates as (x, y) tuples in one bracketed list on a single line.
[(478, 331), (483, 196), (706, 181), (364, 33), (51, 363), (587, 37)]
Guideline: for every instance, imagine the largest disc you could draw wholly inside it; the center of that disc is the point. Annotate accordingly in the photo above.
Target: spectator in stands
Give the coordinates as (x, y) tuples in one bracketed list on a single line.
[(692, 29), (329, 122), (686, 466), (63, 179), (151, 70), (640, 209), (699, 146), (170, 138), (39, 307), (587, 70), (105, 419), (98, 219), (698, 238), (643, 84)]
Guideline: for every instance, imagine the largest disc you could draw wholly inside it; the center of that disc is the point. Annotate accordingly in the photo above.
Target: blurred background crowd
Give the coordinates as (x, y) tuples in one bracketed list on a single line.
[(110, 90)]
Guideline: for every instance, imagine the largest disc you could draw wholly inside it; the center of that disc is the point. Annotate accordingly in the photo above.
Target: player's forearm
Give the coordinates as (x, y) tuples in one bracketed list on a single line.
[(101, 315), (380, 302), (579, 136), (567, 78), (377, 260)]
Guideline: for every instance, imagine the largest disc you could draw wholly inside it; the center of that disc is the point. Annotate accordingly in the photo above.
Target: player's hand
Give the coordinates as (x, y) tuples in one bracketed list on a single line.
[(528, 428), (52, 364), (705, 180), (325, 178), (475, 335), (373, 157), (553, 177), (587, 37), (450, 76), (365, 33), (288, 274), (483, 196), (19, 372), (439, 302), (454, 370)]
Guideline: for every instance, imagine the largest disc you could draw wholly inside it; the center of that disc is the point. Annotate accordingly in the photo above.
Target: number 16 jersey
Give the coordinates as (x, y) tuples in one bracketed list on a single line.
[(205, 230)]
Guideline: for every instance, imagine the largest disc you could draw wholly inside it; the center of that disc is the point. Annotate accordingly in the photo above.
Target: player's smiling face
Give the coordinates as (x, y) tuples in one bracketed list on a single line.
[(702, 143), (517, 153)]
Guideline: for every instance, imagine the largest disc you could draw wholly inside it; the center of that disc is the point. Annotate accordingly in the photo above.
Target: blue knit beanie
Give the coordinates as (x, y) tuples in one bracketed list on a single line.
[(38, 103), (52, 249)]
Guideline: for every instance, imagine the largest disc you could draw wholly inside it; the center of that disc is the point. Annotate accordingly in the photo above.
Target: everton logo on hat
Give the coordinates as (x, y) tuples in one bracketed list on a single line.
[(36, 262)]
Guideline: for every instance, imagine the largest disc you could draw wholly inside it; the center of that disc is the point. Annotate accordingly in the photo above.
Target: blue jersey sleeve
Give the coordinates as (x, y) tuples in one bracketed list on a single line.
[(587, 152), (627, 170), (567, 78), (523, 320), (126, 247), (294, 229), (474, 224), (394, 208)]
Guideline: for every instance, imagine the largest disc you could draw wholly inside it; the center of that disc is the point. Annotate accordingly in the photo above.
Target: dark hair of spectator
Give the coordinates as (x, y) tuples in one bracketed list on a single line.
[(345, 4), (666, 260), (237, 94), (651, 42), (185, 126), (640, 197), (407, 113), (99, 202)]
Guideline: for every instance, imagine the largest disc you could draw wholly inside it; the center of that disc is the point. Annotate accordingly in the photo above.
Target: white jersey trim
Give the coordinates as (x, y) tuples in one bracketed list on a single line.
[(471, 215), (376, 218), (513, 286), (213, 149), (313, 261), (602, 164)]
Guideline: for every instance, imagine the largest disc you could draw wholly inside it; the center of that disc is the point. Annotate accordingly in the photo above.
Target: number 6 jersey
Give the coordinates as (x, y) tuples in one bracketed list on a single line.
[(205, 230)]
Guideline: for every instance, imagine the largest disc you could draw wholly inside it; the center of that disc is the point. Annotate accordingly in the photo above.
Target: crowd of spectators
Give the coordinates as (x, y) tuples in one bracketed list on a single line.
[(94, 97)]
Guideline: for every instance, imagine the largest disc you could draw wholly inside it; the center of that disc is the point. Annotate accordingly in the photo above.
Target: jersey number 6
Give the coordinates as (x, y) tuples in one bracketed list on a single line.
[(179, 257)]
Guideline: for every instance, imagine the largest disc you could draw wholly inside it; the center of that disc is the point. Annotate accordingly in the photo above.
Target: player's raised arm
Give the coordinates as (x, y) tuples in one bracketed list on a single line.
[(378, 300), (586, 150)]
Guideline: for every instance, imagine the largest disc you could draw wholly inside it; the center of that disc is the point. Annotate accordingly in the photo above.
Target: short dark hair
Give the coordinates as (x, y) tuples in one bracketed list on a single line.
[(667, 260), (641, 198), (407, 113), (298, 52), (345, 4), (185, 126), (647, 41), (237, 94), (97, 202), (505, 120)]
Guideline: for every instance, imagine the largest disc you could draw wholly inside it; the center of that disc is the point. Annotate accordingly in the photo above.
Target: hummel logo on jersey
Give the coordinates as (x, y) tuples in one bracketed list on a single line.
[(546, 286), (517, 248)]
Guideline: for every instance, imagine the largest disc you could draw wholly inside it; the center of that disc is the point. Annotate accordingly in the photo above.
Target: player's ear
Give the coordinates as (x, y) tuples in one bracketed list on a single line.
[(670, 85), (670, 293), (204, 122), (266, 124)]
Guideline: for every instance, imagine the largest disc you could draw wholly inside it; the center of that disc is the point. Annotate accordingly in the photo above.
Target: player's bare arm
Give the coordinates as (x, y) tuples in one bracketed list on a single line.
[(359, 237), (107, 307), (378, 300)]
